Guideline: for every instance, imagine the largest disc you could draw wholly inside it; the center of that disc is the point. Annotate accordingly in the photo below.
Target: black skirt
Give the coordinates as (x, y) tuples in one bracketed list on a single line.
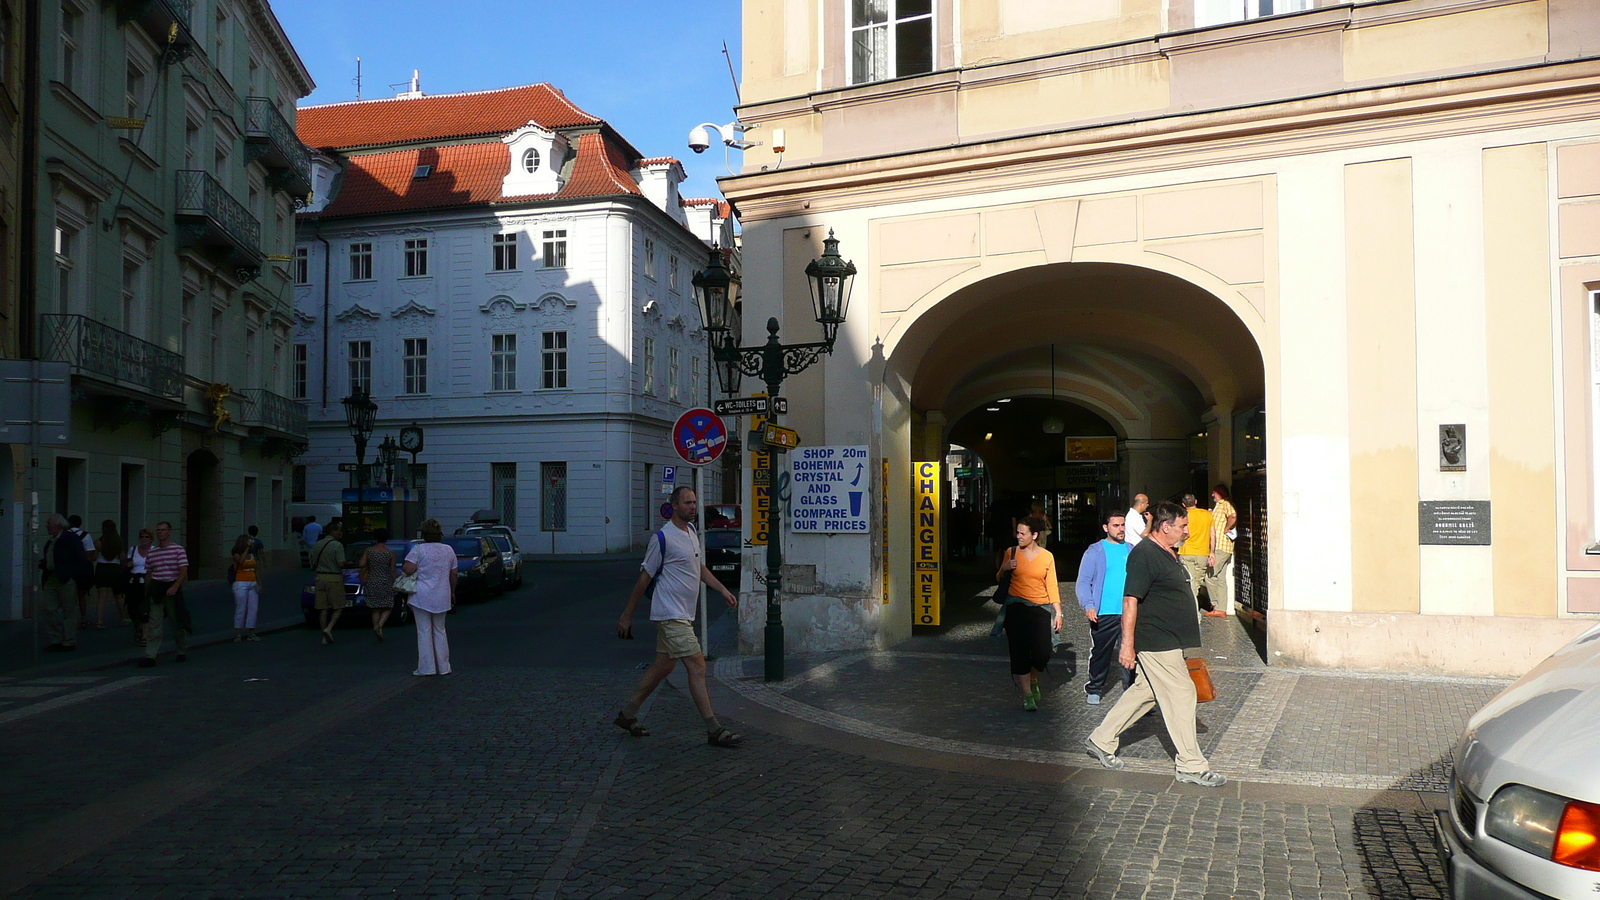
[(1028, 636), (111, 575)]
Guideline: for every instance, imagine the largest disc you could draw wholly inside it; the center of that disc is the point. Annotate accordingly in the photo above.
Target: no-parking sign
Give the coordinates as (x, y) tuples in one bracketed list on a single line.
[(699, 436)]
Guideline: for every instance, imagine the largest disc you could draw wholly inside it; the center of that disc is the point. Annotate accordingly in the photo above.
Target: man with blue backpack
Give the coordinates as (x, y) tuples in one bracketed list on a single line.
[(672, 574)]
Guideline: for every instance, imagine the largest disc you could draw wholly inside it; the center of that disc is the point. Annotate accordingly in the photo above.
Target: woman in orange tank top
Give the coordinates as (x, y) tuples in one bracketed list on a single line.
[(1034, 609), (246, 592)]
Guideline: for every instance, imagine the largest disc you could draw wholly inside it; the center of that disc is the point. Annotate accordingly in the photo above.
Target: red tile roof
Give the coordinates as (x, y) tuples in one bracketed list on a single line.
[(372, 123), (658, 161), (466, 175), (724, 209)]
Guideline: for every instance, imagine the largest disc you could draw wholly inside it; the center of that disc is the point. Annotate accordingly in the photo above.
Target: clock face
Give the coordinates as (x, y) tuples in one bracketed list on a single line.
[(411, 439)]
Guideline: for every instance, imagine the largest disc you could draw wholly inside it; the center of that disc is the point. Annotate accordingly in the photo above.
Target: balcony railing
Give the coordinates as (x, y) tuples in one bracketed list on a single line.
[(111, 356), (274, 412), (209, 217), (273, 141), (159, 18)]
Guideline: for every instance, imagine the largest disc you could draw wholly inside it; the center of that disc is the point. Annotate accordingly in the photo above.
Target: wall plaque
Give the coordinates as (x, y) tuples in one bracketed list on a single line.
[(1457, 522), (1453, 448)]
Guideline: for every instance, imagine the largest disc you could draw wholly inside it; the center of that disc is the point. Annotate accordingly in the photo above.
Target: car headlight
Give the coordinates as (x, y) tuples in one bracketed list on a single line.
[(1546, 825)]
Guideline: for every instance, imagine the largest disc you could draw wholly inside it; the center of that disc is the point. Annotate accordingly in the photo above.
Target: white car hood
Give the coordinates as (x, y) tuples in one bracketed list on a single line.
[(1542, 731)]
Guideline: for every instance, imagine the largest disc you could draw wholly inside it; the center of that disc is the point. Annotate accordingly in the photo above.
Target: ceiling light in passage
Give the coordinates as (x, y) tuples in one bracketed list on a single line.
[(1004, 400), (992, 408), (988, 435)]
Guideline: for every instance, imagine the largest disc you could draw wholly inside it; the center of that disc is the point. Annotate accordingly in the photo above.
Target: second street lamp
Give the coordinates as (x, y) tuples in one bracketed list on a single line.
[(388, 457), (772, 361), (360, 414)]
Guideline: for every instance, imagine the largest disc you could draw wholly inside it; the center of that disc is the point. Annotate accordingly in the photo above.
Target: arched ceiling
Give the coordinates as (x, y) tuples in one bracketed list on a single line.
[(1140, 345)]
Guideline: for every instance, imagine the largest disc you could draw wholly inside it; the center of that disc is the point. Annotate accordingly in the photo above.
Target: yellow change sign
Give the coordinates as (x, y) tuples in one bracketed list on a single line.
[(926, 598)]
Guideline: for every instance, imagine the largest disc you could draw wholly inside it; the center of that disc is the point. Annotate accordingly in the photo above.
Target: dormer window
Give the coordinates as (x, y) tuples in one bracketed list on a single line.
[(533, 161), (530, 160)]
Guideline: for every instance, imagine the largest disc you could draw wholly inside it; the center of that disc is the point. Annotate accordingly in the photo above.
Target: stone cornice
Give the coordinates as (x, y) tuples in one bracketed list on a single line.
[(1530, 96)]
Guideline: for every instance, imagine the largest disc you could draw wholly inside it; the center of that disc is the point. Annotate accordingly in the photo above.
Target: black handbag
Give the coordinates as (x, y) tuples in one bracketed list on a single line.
[(1004, 590)]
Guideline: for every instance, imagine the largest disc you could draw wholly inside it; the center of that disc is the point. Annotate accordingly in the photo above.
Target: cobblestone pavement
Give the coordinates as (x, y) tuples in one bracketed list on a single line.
[(289, 769)]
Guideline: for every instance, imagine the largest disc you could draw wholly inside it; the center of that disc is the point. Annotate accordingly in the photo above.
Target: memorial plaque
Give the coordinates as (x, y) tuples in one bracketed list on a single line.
[(1454, 522)]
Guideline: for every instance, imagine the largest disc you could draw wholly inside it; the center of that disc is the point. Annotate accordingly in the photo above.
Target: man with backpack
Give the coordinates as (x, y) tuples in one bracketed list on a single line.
[(672, 573)]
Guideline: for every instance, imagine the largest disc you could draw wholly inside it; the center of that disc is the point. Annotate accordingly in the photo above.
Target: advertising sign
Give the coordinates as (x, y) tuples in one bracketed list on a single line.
[(749, 406), (780, 438), (831, 489), (1091, 449), (926, 596), (760, 490), (883, 491), (699, 437)]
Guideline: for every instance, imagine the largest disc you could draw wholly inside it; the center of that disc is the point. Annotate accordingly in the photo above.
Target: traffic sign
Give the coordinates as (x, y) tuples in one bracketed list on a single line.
[(666, 510), (780, 438), (750, 406), (965, 471), (699, 436)]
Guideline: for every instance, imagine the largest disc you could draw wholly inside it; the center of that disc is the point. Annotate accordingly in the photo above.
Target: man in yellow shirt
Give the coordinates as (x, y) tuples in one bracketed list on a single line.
[(1223, 521), (1196, 551)]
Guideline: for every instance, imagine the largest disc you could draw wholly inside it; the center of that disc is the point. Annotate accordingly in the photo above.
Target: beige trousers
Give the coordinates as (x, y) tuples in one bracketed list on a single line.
[(1217, 581), (1163, 681)]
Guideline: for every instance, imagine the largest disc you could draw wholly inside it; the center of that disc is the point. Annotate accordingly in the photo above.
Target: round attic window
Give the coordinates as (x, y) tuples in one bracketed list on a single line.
[(530, 160)]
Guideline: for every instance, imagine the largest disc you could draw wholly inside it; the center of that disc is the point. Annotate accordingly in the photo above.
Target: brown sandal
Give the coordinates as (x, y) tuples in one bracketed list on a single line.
[(722, 737), (631, 726)]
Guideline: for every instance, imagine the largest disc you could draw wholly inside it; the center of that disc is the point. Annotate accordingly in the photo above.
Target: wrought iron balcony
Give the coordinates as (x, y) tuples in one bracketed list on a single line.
[(113, 358), (273, 413), (209, 218), (272, 140), (168, 21)]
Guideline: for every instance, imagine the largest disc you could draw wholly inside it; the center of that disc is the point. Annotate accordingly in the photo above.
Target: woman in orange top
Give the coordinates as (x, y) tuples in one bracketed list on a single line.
[(246, 592), (1034, 611)]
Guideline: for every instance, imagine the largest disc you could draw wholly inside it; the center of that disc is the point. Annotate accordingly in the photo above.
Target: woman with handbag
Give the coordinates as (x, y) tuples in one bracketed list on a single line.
[(377, 579), (433, 562), (1033, 608), (246, 569), (138, 603)]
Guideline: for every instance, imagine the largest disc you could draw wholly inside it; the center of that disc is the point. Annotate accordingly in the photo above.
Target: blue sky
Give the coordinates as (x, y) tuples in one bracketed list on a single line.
[(653, 70)]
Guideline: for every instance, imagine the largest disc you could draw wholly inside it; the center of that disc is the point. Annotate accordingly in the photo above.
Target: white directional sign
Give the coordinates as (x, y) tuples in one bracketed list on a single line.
[(831, 490)]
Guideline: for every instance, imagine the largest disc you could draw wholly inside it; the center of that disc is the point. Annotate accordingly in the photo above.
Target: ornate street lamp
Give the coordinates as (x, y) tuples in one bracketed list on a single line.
[(359, 414), (772, 361), (388, 457)]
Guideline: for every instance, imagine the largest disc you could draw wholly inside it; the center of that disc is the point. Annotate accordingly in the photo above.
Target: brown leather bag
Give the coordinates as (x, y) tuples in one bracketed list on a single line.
[(1204, 690)]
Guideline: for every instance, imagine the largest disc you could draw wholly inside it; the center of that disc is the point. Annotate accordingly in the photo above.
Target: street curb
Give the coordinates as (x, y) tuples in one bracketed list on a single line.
[(111, 659)]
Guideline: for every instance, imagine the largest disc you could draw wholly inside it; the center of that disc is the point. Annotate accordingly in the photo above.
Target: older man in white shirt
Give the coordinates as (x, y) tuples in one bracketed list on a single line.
[(1138, 521)]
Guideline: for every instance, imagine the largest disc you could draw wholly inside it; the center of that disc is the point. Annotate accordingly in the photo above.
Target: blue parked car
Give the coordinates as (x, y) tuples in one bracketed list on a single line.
[(355, 591), (480, 567)]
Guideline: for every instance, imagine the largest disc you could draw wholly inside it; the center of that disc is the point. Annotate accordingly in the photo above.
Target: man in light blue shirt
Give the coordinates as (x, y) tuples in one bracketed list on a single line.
[(1101, 577)]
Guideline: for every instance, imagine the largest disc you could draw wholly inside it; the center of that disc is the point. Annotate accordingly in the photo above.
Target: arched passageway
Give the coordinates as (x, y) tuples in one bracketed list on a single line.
[(1068, 388), (202, 525)]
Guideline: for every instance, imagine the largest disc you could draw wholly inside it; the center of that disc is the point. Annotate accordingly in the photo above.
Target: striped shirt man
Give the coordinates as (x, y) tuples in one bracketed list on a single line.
[(164, 561)]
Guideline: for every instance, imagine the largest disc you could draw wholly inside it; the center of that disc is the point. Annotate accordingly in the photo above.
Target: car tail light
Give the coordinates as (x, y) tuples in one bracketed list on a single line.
[(1578, 838)]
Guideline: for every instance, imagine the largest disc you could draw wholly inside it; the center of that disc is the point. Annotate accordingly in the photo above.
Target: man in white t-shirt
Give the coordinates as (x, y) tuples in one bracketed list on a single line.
[(1137, 519), (672, 562)]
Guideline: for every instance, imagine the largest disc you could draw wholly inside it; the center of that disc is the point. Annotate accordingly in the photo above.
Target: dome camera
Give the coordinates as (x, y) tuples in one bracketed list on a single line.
[(699, 140)]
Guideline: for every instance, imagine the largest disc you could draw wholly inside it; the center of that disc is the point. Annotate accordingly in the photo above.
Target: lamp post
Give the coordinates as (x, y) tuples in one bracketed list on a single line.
[(716, 289), (388, 457), (359, 414)]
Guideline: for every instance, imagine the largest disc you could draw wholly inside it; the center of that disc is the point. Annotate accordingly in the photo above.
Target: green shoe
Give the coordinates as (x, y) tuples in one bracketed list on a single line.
[(1038, 692), (1030, 702)]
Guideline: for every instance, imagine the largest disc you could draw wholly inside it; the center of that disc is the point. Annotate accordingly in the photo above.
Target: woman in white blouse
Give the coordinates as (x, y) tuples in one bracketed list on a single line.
[(434, 564)]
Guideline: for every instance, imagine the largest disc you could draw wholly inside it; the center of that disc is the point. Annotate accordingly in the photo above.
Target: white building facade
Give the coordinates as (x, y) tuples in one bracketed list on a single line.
[(523, 295)]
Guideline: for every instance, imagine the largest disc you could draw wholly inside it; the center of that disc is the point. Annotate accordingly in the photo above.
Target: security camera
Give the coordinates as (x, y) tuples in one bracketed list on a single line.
[(698, 139)]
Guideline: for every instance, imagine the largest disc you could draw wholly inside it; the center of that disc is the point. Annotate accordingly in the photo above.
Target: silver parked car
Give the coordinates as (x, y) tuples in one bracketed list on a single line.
[(1524, 821)]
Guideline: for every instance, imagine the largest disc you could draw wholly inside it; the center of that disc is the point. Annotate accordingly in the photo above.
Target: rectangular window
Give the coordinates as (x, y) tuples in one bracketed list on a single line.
[(505, 252), (672, 274), (133, 299), (502, 362), (694, 379), (73, 23), (416, 257), (649, 365), (555, 249), (417, 476), (504, 487), (361, 261), (302, 265), (1221, 12), (553, 496), (674, 373), (415, 364), (360, 367), (219, 41), (555, 359), (890, 39), (650, 259), (301, 369), (133, 89), (297, 484), (66, 239)]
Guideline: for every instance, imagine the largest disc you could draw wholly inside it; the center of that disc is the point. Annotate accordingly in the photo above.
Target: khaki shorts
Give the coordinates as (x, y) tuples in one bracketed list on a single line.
[(675, 638), (330, 592)]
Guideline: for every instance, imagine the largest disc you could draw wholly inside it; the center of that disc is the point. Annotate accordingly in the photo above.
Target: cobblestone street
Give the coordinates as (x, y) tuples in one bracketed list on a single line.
[(289, 769)]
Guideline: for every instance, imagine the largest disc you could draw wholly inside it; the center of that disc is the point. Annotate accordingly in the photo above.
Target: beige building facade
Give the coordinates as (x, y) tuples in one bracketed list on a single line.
[(1343, 258)]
